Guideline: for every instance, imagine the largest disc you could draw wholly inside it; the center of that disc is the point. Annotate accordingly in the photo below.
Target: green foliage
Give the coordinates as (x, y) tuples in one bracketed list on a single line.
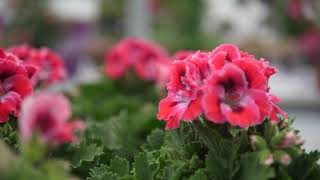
[(222, 164), (305, 167), (13, 167), (143, 169), (8, 133), (199, 175), (252, 169), (119, 166), (100, 173), (83, 152), (156, 139)]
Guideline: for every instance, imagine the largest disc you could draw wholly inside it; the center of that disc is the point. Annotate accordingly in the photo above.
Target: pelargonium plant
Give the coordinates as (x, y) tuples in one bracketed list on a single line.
[(50, 65), (221, 119)]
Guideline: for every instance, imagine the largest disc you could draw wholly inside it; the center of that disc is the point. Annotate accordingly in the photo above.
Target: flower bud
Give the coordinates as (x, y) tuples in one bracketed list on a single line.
[(269, 161), (290, 139), (258, 142), (276, 141), (266, 157), (282, 157)]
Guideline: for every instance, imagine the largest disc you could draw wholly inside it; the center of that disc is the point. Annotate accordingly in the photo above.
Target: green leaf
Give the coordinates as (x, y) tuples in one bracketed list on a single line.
[(305, 167), (209, 134), (156, 139), (100, 173), (282, 174), (221, 163), (143, 169), (84, 152), (199, 175), (252, 169), (9, 134), (119, 166)]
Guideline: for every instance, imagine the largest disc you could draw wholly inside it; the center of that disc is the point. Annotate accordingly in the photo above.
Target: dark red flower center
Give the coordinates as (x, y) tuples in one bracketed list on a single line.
[(231, 96), (45, 122), (237, 109)]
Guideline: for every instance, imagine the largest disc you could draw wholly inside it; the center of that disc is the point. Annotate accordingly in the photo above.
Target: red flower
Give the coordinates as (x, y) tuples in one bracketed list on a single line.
[(184, 90), (181, 55), (145, 58), (15, 84), (227, 85), (238, 92), (118, 59), (50, 65), (47, 114), (145, 64), (229, 98)]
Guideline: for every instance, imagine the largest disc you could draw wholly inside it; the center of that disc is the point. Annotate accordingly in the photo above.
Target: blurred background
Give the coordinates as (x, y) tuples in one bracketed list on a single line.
[(285, 32)]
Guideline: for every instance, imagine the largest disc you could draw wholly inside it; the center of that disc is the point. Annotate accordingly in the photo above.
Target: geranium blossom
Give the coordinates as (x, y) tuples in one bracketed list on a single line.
[(181, 55), (226, 85), (15, 84), (184, 90), (146, 59), (48, 114), (50, 65)]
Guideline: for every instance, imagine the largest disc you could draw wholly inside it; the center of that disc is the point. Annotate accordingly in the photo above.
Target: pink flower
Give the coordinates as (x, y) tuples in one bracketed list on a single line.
[(15, 84), (238, 92), (148, 60), (229, 98), (181, 55), (118, 59), (226, 85), (50, 65), (47, 114), (184, 90)]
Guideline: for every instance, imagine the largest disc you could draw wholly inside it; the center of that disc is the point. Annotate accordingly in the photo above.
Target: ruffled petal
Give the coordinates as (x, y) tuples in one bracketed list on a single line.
[(193, 110), (9, 104), (254, 74), (211, 106), (232, 51), (244, 114), (218, 60), (263, 102), (18, 83)]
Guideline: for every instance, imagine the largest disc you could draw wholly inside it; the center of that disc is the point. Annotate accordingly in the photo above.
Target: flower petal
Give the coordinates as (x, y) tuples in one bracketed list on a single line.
[(232, 51), (211, 105), (244, 114), (18, 83)]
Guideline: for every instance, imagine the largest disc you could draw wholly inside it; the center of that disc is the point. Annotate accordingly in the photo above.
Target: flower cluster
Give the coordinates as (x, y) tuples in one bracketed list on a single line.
[(149, 61), (15, 84), (226, 85), (50, 65), (47, 114)]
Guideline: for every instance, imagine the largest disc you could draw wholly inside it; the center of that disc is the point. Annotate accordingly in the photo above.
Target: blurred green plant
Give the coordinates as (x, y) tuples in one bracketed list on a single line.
[(31, 23)]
